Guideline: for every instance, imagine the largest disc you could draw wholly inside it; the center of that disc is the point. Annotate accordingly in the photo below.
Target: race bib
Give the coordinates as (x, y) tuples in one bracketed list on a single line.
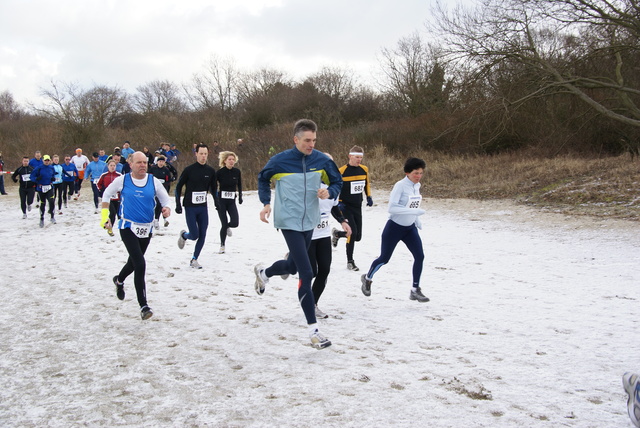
[(26, 177), (227, 195), (414, 202), (46, 188), (141, 230), (324, 221), (357, 187), (199, 197)]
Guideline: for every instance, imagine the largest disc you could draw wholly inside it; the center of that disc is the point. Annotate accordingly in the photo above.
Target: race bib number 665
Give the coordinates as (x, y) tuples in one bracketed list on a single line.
[(414, 202)]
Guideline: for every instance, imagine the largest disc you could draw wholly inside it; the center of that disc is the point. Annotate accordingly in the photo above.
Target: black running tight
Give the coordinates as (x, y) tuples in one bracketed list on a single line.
[(320, 258), (136, 264)]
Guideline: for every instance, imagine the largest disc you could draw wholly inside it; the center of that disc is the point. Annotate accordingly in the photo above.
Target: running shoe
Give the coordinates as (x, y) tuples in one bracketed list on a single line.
[(166, 223), (351, 265), (65, 204), (416, 294), (261, 279), (194, 264), (24, 216), (110, 232), (156, 224), (41, 222), (286, 275), (181, 239), (318, 340), (334, 237), (631, 384), (221, 249), (320, 314), (146, 312), (53, 220), (366, 285), (28, 207), (119, 288), (229, 232), (59, 212)]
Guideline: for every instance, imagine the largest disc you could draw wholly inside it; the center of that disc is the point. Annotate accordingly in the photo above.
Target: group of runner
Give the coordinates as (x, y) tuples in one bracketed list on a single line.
[(309, 189)]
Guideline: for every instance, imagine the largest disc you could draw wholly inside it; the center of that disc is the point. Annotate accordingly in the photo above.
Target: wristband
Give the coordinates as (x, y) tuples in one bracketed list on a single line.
[(105, 216)]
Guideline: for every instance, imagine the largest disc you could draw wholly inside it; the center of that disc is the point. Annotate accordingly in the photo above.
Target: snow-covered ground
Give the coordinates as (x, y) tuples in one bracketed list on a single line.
[(533, 319)]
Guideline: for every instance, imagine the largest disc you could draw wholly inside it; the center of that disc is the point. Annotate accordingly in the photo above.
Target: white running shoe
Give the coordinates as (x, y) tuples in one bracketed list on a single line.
[(221, 249), (24, 216), (156, 224), (631, 384), (194, 264), (320, 314), (41, 222), (181, 239), (28, 207), (261, 279), (53, 220), (318, 340)]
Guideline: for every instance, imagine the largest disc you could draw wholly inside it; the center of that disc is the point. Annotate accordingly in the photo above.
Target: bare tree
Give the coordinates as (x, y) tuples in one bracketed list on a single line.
[(160, 96), (584, 48), (414, 78), (84, 114), (214, 89), (9, 108)]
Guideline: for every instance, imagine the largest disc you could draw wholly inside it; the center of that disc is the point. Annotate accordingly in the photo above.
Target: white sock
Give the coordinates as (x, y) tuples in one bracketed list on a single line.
[(313, 327)]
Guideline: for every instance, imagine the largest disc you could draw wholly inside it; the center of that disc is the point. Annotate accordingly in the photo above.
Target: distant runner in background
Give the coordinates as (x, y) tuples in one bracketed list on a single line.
[(198, 180), (27, 189), (355, 182), (230, 184), (81, 162)]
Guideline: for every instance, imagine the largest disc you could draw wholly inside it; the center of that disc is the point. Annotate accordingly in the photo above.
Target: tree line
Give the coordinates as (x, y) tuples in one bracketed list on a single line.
[(545, 76)]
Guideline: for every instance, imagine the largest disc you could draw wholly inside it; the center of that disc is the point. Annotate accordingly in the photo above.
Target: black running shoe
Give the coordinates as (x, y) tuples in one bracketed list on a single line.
[(119, 288), (366, 285), (146, 312)]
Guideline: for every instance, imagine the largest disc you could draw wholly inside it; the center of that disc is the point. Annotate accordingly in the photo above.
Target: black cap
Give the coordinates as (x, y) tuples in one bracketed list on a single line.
[(96, 155)]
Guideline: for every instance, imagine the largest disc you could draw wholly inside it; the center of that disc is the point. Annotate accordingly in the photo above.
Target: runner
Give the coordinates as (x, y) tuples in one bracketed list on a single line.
[(162, 173), (297, 173), (403, 225), (27, 187), (138, 191), (356, 181), (320, 248), (81, 162), (43, 176), (103, 182), (198, 179), (126, 150), (92, 174), (230, 181), (35, 162), (69, 177), (57, 183), (2, 190)]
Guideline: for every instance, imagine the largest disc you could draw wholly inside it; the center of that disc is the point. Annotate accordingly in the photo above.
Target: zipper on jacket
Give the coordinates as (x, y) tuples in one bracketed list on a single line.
[(304, 199)]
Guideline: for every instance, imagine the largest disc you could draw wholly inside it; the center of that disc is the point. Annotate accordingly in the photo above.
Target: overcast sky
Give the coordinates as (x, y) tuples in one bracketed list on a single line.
[(128, 43)]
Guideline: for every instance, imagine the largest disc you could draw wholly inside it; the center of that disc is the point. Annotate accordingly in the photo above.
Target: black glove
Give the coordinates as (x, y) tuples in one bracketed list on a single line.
[(369, 201), (240, 199), (178, 209)]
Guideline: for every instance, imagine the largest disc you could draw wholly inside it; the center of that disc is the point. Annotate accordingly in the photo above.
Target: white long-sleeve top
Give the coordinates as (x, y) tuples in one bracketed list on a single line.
[(116, 186), (404, 203)]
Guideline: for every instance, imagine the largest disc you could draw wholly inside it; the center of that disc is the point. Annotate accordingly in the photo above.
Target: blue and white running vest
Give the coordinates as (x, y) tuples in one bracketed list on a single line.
[(137, 203)]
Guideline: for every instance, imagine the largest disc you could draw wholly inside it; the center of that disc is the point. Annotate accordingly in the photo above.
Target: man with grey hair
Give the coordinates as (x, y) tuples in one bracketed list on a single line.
[(297, 173)]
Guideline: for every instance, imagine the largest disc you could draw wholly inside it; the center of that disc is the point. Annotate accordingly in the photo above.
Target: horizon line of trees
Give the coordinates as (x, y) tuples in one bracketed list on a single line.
[(548, 76)]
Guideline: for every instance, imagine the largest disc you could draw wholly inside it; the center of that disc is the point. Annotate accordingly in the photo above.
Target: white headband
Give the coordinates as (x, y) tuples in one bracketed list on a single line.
[(356, 154)]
